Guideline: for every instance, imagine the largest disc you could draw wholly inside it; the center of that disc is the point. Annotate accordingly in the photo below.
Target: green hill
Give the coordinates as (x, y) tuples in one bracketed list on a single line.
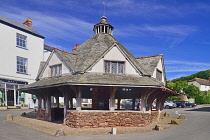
[(202, 74)]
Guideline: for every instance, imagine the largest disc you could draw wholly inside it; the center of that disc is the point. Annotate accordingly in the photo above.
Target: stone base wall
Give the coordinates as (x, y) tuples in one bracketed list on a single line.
[(56, 114), (41, 114), (109, 119)]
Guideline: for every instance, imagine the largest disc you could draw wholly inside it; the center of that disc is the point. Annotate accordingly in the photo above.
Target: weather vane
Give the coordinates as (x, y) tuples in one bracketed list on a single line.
[(104, 7)]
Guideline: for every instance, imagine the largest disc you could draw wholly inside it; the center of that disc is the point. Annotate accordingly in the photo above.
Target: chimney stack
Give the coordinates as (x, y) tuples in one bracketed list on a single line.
[(75, 47), (28, 22)]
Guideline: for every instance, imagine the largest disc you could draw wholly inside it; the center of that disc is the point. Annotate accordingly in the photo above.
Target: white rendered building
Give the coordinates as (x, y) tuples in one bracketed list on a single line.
[(202, 84), (22, 50)]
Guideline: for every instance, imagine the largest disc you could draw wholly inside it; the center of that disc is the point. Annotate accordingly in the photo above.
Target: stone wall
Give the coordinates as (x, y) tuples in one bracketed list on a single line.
[(56, 114), (109, 119), (41, 114)]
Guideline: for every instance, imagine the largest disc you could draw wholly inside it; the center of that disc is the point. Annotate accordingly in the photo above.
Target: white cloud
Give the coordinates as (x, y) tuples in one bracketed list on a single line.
[(185, 66), (52, 27)]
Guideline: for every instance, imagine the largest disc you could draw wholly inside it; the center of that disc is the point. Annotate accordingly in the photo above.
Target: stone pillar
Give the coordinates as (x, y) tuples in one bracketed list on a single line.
[(112, 98), (118, 103), (48, 108), (79, 99)]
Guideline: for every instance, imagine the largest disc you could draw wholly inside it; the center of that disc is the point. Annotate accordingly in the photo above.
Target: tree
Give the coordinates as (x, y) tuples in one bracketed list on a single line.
[(182, 87), (192, 91)]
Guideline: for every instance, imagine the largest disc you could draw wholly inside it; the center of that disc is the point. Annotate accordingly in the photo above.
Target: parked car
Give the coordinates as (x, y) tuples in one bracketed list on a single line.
[(169, 104), (184, 104), (189, 104), (180, 103), (127, 104)]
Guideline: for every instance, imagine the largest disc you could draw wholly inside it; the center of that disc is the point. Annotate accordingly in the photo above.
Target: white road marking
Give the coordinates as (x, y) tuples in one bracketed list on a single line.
[(177, 112)]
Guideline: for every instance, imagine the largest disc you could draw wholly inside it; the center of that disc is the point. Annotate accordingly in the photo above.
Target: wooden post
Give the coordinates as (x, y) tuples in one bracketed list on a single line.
[(48, 108), (57, 101), (112, 98), (118, 103), (71, 102), (143, 102), (79, 99), (133, 104)]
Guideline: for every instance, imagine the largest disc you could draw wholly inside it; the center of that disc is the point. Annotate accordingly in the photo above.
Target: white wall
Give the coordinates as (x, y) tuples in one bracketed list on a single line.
[(54, 61), (113, 55), (196, 84), (9, 53), (159, 67)]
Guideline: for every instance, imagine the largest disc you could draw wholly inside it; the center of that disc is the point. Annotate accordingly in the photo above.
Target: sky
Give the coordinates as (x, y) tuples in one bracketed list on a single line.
[(178, 29)]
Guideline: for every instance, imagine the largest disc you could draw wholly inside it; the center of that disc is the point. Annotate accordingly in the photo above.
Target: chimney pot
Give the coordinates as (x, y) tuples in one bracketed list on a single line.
[(75, 47), (28, 22)]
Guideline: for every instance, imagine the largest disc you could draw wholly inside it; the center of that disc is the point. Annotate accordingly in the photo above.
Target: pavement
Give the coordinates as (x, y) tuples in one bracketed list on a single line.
[(196, 127)]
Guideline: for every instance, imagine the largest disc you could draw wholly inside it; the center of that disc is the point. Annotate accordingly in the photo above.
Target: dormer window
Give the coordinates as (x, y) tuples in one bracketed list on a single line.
[(114, 67), (159, 75), (56, 70)]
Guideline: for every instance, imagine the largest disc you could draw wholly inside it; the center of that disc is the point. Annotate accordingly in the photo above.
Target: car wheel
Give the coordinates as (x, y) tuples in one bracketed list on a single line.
[(166, 107), (191, 106)]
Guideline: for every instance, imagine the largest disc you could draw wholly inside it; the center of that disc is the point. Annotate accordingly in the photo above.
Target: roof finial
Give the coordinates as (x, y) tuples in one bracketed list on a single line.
[(104, 8)]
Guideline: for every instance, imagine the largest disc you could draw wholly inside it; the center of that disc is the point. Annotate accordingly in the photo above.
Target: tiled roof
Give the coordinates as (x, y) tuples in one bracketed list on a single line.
[(201, 81), (94, 79), (19, 26), (149, 62), (90, 51), (48, 48)]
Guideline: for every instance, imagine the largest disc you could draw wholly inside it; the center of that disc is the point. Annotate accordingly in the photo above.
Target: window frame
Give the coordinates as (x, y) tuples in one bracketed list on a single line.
[(57, 70), (117, 64), (21, 41), (22, 66), (159, 75)]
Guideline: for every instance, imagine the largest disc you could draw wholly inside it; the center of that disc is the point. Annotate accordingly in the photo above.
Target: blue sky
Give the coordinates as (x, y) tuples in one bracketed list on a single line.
[(179, 29)]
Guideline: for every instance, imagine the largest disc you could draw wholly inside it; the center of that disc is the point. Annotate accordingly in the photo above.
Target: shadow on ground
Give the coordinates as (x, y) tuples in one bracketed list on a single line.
[(202, 109), (33, 115)]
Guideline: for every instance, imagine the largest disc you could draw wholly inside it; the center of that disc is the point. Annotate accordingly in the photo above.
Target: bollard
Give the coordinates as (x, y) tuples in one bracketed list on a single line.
[(114, 131), (9, 117)]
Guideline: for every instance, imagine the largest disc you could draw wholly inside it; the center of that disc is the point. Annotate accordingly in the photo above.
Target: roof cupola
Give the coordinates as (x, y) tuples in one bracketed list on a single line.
[(103, 27)]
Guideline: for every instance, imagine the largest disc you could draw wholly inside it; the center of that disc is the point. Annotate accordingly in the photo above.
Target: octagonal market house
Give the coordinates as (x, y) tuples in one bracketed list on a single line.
[(103, 70)]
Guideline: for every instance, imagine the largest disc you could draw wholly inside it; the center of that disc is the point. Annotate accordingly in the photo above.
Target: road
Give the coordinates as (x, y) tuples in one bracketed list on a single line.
[(196, 127)]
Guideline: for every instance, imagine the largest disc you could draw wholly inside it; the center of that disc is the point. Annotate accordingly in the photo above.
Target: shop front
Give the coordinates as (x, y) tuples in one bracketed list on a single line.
[(9, 96)]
